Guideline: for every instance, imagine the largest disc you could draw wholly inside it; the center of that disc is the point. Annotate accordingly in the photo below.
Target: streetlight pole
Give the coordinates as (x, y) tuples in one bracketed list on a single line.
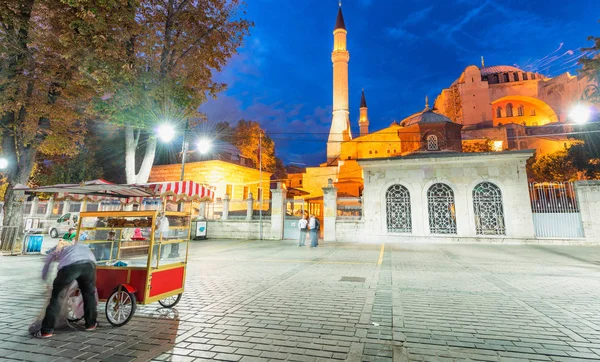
[(260, 196), (184, 150)]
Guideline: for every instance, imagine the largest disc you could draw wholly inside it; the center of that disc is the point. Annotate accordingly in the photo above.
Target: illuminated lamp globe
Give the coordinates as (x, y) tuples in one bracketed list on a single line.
[(165, 132), (3, 163), (580, 114), (204, 146)]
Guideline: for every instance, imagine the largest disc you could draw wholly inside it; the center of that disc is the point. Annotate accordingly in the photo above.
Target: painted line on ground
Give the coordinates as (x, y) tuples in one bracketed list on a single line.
[(380, 261)]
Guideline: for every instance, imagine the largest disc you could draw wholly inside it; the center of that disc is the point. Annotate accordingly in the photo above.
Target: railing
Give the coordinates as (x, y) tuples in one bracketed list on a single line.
[(258, 209), (555, 210), (349, 208)]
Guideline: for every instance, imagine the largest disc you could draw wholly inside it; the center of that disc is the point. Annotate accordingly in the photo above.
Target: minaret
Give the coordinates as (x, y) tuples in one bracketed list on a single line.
[(363, 121), (340, 123)]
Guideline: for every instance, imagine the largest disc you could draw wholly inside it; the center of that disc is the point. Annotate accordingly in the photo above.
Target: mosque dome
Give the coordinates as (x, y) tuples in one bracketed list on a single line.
[(495, 69), (426, 116)]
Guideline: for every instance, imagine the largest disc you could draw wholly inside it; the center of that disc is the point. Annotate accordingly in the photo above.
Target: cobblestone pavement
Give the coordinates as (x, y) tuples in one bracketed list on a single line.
[(254, 301)]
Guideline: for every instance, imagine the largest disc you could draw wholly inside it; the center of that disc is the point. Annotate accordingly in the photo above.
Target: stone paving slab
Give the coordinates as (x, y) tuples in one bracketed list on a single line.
[(272, 301)]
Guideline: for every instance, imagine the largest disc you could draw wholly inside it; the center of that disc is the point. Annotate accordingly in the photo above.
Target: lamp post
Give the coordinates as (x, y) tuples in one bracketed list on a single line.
[(260, 196)]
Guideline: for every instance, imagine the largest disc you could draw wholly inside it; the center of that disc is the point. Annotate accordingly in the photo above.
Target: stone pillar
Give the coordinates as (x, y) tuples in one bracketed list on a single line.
[(34, 205), (329, 211), (49, 208), (588, 197), (202, 211), (225, 215), (66, 207), (249, 207), (278, 197)]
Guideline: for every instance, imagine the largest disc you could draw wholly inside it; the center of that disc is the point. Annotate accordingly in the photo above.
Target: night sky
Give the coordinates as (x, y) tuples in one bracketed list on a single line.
[(400, 51)]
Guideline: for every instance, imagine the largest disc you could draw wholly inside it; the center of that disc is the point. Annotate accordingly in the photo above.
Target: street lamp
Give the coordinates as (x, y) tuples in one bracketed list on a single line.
[(204, 145), (580, 113), (3, 163)]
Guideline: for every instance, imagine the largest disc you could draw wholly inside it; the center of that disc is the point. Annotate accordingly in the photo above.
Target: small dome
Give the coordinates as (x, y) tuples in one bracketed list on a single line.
[(428, 115)]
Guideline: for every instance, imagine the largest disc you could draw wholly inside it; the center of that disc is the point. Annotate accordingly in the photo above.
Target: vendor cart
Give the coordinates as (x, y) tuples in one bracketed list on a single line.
[(141, 255)]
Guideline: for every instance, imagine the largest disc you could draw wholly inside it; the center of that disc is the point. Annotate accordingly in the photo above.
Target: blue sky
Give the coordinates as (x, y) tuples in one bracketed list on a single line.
[(400, 51)]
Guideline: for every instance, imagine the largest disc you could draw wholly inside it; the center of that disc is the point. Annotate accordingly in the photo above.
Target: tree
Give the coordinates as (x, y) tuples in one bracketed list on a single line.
[(590, 67), (246, 137), (556, 166), (171, 53), (53, 58)]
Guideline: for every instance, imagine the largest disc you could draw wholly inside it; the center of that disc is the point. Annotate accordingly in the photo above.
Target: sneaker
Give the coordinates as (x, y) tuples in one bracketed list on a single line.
[(41, 335), (92, 327)]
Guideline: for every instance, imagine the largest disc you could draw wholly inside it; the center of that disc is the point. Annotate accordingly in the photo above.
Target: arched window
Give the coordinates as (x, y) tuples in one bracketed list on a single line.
[(516, 76), (397, 200), (499, 112), (442, 213), (524, 76), (533, 112), (432, 143), (489, 213), (509, 110), (521, 110), (506, 80)]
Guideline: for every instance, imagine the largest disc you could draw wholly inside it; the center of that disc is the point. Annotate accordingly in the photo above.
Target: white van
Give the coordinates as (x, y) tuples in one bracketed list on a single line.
[(59, 227)]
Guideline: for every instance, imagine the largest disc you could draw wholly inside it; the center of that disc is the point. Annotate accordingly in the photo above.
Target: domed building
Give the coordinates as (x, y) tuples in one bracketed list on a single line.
[(506, 106)]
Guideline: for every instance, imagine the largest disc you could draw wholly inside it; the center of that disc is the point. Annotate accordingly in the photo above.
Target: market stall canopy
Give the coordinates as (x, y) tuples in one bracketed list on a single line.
[(94, 190), (181, 191)]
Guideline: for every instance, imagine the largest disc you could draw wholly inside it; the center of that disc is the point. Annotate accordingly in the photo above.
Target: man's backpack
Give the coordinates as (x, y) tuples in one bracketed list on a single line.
[(317, 224)]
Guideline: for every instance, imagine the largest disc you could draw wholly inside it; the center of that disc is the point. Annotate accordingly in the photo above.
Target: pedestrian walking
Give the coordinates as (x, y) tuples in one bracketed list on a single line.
[(314, 225), (303, 226), (75, 262)]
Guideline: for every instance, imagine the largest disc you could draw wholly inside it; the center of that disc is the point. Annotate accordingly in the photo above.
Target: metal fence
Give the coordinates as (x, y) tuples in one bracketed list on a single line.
[(349, 208), (555, 210)]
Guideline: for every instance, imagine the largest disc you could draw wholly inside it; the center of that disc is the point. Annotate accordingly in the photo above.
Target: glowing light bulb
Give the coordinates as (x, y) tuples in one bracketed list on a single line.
[(580, 114), (165, 132), (204, 145)]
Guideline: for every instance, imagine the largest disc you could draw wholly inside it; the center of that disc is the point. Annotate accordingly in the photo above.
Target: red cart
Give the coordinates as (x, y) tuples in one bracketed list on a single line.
[(141, 255)]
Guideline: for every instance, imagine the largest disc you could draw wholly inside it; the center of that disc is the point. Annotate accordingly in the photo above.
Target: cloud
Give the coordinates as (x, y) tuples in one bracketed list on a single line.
[(399, 31)]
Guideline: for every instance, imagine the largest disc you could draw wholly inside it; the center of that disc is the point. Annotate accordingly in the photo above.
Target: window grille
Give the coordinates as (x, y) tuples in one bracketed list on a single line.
[(398, 214), (432, 143), (489, 212), (442, 212)]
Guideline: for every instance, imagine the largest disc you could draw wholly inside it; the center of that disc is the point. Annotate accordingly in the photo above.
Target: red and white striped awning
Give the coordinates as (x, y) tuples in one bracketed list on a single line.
[(181, 191)]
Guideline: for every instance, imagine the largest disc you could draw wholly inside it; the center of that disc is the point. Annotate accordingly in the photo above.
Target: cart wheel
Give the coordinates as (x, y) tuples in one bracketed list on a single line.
[(170, 302), (72, 300), (120, 307)]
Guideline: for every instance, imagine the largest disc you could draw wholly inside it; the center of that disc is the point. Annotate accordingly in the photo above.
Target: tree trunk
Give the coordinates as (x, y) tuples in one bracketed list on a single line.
[(148, 161), (13, 223), (131, 145), (130, 148)]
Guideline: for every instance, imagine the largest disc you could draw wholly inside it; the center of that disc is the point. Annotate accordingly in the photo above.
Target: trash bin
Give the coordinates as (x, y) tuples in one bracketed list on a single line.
[(33, 243), (199, 229)]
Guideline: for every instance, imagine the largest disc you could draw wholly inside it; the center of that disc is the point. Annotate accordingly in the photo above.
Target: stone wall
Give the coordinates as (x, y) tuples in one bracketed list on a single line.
[(588, 196), (461, 172), (240, 229)]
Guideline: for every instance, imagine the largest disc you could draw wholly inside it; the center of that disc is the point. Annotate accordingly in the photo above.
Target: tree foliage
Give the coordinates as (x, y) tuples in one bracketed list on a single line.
[(556, 166), (590, 67), (246, 136), (53, 60), (171, 51)]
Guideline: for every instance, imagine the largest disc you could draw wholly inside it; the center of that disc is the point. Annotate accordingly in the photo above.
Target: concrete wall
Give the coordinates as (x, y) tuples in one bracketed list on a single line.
[(462, 172)]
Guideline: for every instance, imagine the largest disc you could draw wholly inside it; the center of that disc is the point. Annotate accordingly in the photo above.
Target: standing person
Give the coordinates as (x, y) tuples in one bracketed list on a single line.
[(313, 225), (75, 262), (303, 226)]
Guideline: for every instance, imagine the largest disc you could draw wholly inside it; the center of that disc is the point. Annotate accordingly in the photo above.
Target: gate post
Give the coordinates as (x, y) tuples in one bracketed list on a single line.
[(278, 197), (225, 215), (329, 211), (588, 197), (249, 207)]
